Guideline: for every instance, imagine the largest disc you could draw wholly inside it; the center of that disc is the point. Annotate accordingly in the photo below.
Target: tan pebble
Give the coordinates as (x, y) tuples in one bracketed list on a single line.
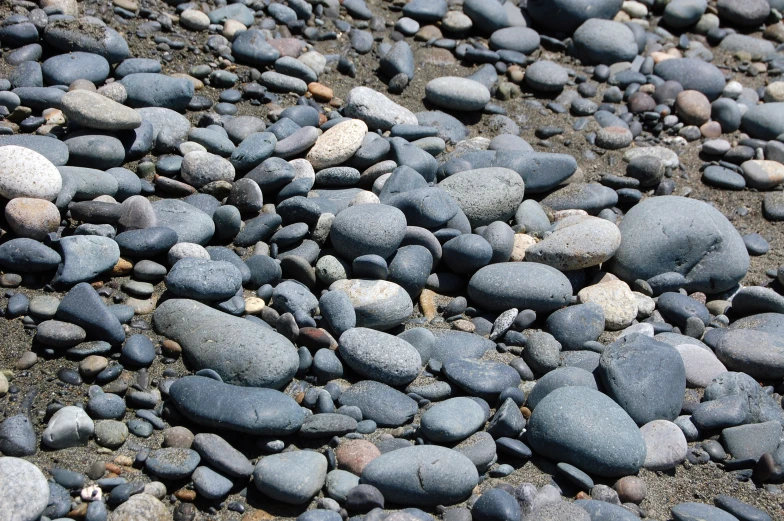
[(464, 325), (3, 385), (337, 144), (54, 116), (92, 365), (97, 284), (197, 83), (692, 107), (711, 130), (526, 412), (79, 512), (32, 218), (582, 495), (254, 305), (231, 28), (26, 361), (258, 515), (320, 92), (616, 299), (123, 267), (521, 243), (427, 304), (142, 307), (125, 461), (427, 32), (111, 467), (91, 493), (82, 84), (126, 4), (631, 489), (661, 56), (336, 102), (171, 348)]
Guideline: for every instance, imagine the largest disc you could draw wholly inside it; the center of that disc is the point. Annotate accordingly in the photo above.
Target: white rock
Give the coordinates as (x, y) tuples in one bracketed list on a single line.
[(187, 249), (194, 19), (338, 144), (665, 445), (577, 242), (376, 110), (68, 427), (616, 299), (26, 173), (24, 493), (702, 366)]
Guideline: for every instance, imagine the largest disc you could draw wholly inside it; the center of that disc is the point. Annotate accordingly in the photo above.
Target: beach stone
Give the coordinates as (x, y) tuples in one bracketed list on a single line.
[(762, 121), (249, 410), (17, 437), (338, 144), (32, 218), (575, 325), (87, 35), (203, 279), (486, 194), (378, 304), (368, 229), (68, 427), (496, 505), (701, 365), (698, 511), (377, 355), (292, 477), (744, 14), (64, 69), (251, 355), (85, 257), (546, 76), (188, 222), (598, 436), (710, 255), (110, 433), (757, 353), (26, 173), (422, 476), (157, 90), (538, 287), (452, 420), (577, 242), (486, 15), (483, 379), (27, 256), (200, 168), (25, 493), (209, 484), (692, 74), (376, 110), (625, 369), (457, 93), (680, 14), (665, 445), (567, 15), (379, 402), (142, 506), (692, 107), (520, 39), (604, 41), (219, 454), (354, 455), (560, 377)]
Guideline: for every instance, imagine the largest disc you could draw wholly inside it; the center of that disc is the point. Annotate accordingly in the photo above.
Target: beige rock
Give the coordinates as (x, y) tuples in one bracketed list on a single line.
[(645, 305), (521, 244), (337, 144), (577, 242), (129, 5), (427, 304), (197, 83), (354, 455), (114, 91), (32, 218), (194, 19), (774, 92), (231, 28), (142, 506), (254, 305), (763, 174), (92, 110), (3, 385), (616, 299), (69, 7)]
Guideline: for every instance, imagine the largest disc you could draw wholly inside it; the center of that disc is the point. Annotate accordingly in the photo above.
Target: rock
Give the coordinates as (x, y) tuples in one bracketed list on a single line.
[(209, 484), (219, 454), (378, 304), (763, 121), (577, 242), (157, 90), (496, 505), (17, 437), (250, 355), (375, 109), (499, 287), (743, 13), (486, 194), (604, 41), (83, 306), (561, 377), (92, 110), (27, 256), (85, 257), (457, 93), (338, 144), (597, 435), (379, 356), (293, 477), (376, 229), (546, 76), (26, 173), (627, 371), (480, 378), (68, 427), (710, 252), (201, 168), (680, 14), (757, 353), (486, 16), (426, 475), (354, 455), (452, 420), (142, 506), (665, 445), (692, 74), (203, 279), (384, 405), (567, 15), (25, 491), (188, 222), (250, 410), (701, 365), (32, 218), (520, 39)]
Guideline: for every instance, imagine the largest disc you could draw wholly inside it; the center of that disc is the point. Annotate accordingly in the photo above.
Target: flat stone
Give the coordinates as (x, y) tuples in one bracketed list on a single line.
[(379, 356), (292, 477)]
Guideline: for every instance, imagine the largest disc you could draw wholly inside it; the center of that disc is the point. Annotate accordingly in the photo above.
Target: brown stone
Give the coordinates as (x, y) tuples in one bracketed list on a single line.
[(526, 412), (582, 495), (179, 437), (464, 325), (32, 218), (631, 489), (428, 32), (354, 455), (316, 338), (692, 107), (92, 365), (258, 515), (287, 46), (111, 467), (79, 512), (320, 92), (427, 304), (122, 268), (185, 494), (171, 348), (775, 32), (26, 361), (434, 56), (125, 461), (711, 130)]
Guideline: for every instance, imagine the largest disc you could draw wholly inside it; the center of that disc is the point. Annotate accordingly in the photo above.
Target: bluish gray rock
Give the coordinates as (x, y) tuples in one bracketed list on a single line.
[(764, 121), (456, 93), (567, 15), (203, 279), (157, 90), (209, 484), (680, 14), (293, 477), (685, 236), (17, 437), (221, 455), (699, 511), (368, 229), (425, 475), (87, 35), (488, 16), (85, 257), (379, 356), (172, 463), (520, 285), (604, 41), (480, 378), (576, 325), (378, 304), (64, 69), (27, 256), (384, 405), (250, 354), (83, 306), (486, 194), (452, 420), (585, 428), (646, 377), (757, 353), (249, 410), (692, 74), (189, 223), (561, 377)]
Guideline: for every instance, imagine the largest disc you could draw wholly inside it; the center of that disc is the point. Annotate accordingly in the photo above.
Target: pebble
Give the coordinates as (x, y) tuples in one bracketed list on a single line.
[(379, 356), (25, 494), (68, 427), (532, 286), (665, 444), (292, 477), (376, 110), (457, 93)]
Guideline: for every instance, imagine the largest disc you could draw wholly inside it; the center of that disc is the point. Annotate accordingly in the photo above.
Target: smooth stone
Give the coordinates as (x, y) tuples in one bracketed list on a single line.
[(87, 35), (64, 69), (486, 194), (375, 109), (251, 355), (452, 420), (26, 173), (499, 287), (759, 354), (203, 279), (699, 512), (188, 222), (457, 93), (25, 493), (379, 356), (481, 378), (157, 90), (292, 477), (604, 41), (577, 242), (561, 377), (385, 405), (567, 15), (68, 427), (378, 304), (665, 444), (249, 410), (83, 306), (692, 74), (422, 476), (221, 455)]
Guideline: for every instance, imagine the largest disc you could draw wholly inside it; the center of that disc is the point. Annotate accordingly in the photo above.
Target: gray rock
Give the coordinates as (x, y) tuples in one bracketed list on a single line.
[(546, 76), (86, 35), (25, 491), (699, 511), (375, 109), (585, 428), (85, 257), (480, 378), (486, 194), (499, 287), (384, 405), (68, 427), (17, 437), (378, 304), (293, 477), (220, 454), (764, 121), (452, 420), (604, 41), (366, 229), (685, 236), (172, 463), (457, 93), (203, 279), (250, 354), (757, 353), (190, 223), (426, 475), (692, 74), (209, 484), (250, 410), (567, 15), (561, 377), (379, 356), (157, 90)]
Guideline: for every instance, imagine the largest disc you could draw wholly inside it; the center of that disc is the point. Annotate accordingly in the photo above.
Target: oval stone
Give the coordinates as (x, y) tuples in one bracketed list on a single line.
[(520, 285)]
